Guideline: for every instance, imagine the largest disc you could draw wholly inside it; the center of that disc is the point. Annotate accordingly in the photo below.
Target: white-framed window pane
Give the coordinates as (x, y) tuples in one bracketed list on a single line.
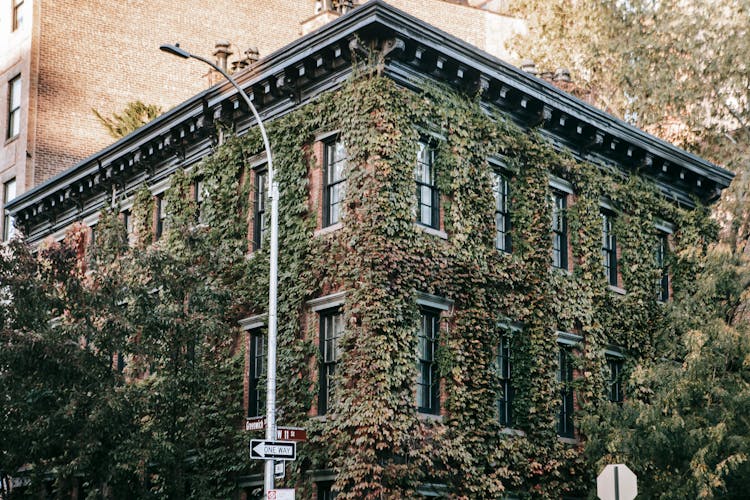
[(9, 193)]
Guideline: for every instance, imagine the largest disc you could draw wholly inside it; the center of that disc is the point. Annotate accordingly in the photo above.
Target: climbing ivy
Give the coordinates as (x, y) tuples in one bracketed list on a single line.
[(372, 437)]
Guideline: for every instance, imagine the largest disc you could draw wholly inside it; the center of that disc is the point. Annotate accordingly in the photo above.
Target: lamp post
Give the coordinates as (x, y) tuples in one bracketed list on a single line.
[(274, 268)]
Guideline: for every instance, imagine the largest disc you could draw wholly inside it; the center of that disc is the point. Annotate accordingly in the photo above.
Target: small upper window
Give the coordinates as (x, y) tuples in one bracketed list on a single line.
[(662, 248), (14, 108), (335, 182), (559, 230), (501, 189), (428, 196), (17, 15), (9, 192), (199, 193), (609, 248), (260, 224)]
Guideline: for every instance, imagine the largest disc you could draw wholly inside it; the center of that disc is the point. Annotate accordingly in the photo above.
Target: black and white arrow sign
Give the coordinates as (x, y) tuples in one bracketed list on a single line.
[(280, 450)]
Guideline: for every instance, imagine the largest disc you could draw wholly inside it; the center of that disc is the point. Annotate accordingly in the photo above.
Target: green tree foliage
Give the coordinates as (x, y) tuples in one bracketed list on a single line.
[(135, 115)]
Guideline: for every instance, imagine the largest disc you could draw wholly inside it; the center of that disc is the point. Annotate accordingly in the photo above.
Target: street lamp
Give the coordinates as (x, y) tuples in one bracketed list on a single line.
[(274, 271)]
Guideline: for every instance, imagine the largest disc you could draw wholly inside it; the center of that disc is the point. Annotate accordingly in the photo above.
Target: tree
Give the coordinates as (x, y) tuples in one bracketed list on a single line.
[(134, 116)]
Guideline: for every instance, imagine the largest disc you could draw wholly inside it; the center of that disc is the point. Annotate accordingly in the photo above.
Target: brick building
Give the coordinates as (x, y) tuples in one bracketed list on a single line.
[(541, 206), (62, 59)]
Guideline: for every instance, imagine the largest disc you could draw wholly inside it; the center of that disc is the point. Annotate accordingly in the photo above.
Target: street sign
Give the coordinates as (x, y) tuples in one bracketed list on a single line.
[(616, 482), (280, 450), (285, 494), (291, 434), (255, 424), (279, 469)]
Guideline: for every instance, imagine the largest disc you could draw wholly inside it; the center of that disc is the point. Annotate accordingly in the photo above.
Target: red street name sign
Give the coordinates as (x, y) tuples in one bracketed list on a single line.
[(291, 434)]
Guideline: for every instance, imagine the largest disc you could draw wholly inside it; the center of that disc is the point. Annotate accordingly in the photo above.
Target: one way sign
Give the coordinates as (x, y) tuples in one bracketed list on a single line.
[(280, 450)]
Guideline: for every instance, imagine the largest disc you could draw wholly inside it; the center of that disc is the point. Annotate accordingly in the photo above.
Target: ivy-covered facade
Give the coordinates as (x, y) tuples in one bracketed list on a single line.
[(470, 259)]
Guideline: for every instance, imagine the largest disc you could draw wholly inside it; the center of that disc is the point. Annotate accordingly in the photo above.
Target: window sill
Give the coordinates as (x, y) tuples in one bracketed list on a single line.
[(328, 229), (429, 417), (11, 139), (566, 440), (509, 431), (432, 231), (616, 289)]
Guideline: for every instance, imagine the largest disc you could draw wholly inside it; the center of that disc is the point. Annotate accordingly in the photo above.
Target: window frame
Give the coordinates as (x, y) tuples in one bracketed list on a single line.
[(428, 376), (9, 229), (428, 186), (609, 247), (256, 400), (260, 222), (502, 193), (662, 253), (504, 367), (565, 415), (559, 229), (332, 184), (331, 321), (615, 392), (15, 88), (161, 216), (16, 18)]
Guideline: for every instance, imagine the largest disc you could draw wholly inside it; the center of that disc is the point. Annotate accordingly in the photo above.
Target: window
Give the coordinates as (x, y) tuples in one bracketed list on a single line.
[(609, 249), (614, 380), (331, 329), (14, 108), (565, 377), (325, 491), (505, 397), (662, 248), (335, 182), (501, 189), (17, 15), (9, 192), (260, 224), (428, 196), (256, 405), (199, 192), (559, 230), (428, 382), (161, 216)]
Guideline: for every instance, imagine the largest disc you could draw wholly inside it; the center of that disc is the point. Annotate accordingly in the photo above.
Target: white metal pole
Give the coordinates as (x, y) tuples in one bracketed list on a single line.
[(273, 272)]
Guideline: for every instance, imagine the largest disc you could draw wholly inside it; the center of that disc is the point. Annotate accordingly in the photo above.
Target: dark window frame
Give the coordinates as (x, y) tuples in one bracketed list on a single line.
[(256, 400), (505, 377), (428, 376), (428, 193), (330, 333), (334, 188), (565, 421), (8, 220), (614, 379), (560, 229), (199, 196), (161, 216), (503, 227), (15, 88), (662, 252), (609, 247), (260, 223)]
